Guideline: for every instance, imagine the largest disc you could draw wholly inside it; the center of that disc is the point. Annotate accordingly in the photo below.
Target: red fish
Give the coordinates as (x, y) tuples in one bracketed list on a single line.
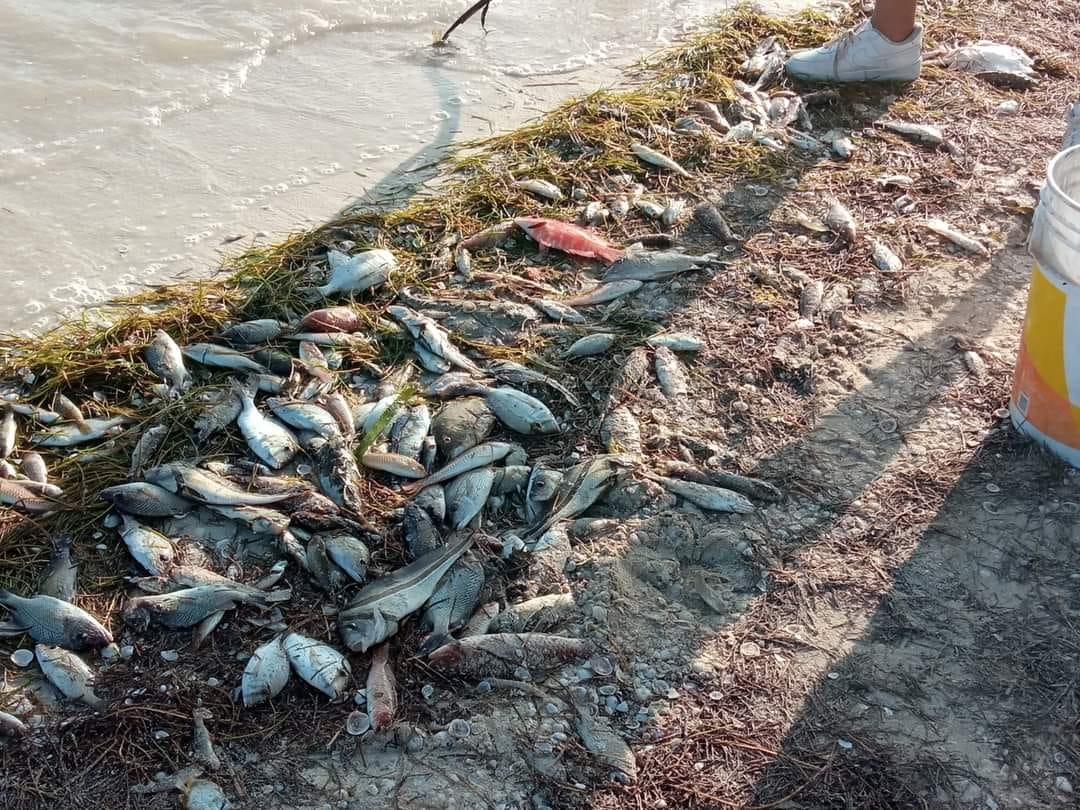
[(381, 689), (330, 319), (569, 239)]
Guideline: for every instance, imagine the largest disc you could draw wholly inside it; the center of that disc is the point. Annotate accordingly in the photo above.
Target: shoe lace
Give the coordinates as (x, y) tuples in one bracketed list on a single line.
[(841, 44)]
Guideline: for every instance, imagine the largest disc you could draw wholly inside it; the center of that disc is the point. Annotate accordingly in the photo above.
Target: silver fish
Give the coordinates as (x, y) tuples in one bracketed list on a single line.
[(53, 621), (620, 432), (461, 425), (516, 374), (885, 260), (430, 361), (408, 431), (463, 263), (201, 743), (209, 354), (511, 478), (70, 411), (541, 188), (657, 159), (453, 385), (558, 311), (22, 498), (672, 212), (467, 494), (353, 274), (208, 487), (273, 443), (69, 436), (394, 464), (677, 341), (671, 373), (218, 416), (265, 674), (68, 673), (346, 340), (12, 726), (653, 210), (152, 550), (591, 345), (582, 486), (428, 333), (336, 473), (250, 333), (305, 416), (318, 665), (453, 602), (656, 265), (146, 447), (326, 575), (146, 500), (167, 361), (713, 498), (520, 412), (188, 607), (840, 221), (202, 794), (604, 293), (374, 614), (541, 487), (349, 554), (921, 133), (58, 578), (962, 240), (480, 456), (539, 614), (750, 487), (42, 415), (338, 407), (501, 654), (421, 535)]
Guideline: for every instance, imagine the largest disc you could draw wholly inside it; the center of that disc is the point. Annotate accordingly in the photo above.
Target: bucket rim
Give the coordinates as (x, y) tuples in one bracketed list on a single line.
[(1051, 175)]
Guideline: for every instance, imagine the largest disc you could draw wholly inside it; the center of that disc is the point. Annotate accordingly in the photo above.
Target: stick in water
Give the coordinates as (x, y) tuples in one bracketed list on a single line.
[(481, 6)]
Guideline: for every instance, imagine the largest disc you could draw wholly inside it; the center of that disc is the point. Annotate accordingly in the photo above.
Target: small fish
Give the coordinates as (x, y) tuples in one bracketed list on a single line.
[(670, 373), (394, 464), (305, 416), (220, 357), (620, 432), (349, 554), (58, 578), (218, 416), (338, 407), (708, 497), (810, 298), (520, 412), (480, 622), (541, 188), (652, 210), (511, 478), (672, 212), (346, 340), (595, 213), (840, 221), (357, 273), (620, 207), (53, 621), (833, 304), (558, 311), (708, 216), (64, 436), (68, 673), (33, 467), (656, 265), (22, 498), (750, 487), (12, 726), (553, 233), (542, 485), (409, 430), (463, 263), (490, 237), (432, 337), (461, 425), (166, 360), (657, 159), (202, 794), (421, 534), (539, 614), (510, 372), (591, 345), (266, 673), (481, 455), (885, 260), (188, 607), (331, 319), (840, 144), (466, 495), (381, 689), (42, 415), (277, 361), (71, 412), (201, 744), (676, 341), (7, 434), (146, 447), (146, 500), (710, 114), (326, 575), (921, 133), (250, 333), (500, 654), (273, 443), (375, 613), (453, 385), (453, 601), (582, 486), (337, 473), (603, 293), (607, 745), (152, 550), (946, 231), (207, 487)]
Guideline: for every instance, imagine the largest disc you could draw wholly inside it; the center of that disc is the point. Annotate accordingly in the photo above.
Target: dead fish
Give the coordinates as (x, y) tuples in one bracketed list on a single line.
[(381, 689), (337, 406), (500, 654), (305, 416), (558, 311), (655, 158), (345, 340), (591, 345), (840, 144), (454, 385), (273, 443), (520, 412), (71, 412), (708, 497), (671, 373), (70, 436), (408, 432), (152, 550), (188, 607), (620, 432), (52, 621), (277, 361), (68, 673), (510, 479), (146, 447), (208, 487), (885, 260), (672, 212), (331, 319), (750, 487), (432, 337), (810, 298), (319, 665), (489, 237), (202, 794), (510, 372), (394, 464), (582, 486), (602, 293), (265, 674), (249, 333), (357, 273), (218, 416), (421, 534), (336, 472), (461, 425), (946, 231), (349, 554), (58, 578), (652, 210), (482, 455), (220, 357), (921, 133), (12, 726), (709, 218), (146, 500), (656, 265), (166, 360), (840, 221), (833, 304), (676, 341), (605, 744), (466, 495), (22, 498), (374, 615), (541, 188), (453, 601)]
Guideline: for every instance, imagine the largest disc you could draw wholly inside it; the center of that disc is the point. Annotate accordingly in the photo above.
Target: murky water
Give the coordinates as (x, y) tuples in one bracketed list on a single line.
[(138, 136)]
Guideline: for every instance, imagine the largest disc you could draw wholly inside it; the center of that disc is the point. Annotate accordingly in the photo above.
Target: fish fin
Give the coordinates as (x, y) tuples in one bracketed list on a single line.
[(205, 628), (433, 642), (11, 628)]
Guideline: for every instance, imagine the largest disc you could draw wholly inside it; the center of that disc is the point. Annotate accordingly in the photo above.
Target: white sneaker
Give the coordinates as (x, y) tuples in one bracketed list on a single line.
[(860, 55)]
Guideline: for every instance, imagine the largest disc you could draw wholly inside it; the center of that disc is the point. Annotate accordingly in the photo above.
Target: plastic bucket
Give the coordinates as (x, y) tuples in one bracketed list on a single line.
[(1045, 402)]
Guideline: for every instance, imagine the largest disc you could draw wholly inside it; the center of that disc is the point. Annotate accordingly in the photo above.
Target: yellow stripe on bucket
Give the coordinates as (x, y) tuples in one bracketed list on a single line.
[(1044, 332), (1072, 347)]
